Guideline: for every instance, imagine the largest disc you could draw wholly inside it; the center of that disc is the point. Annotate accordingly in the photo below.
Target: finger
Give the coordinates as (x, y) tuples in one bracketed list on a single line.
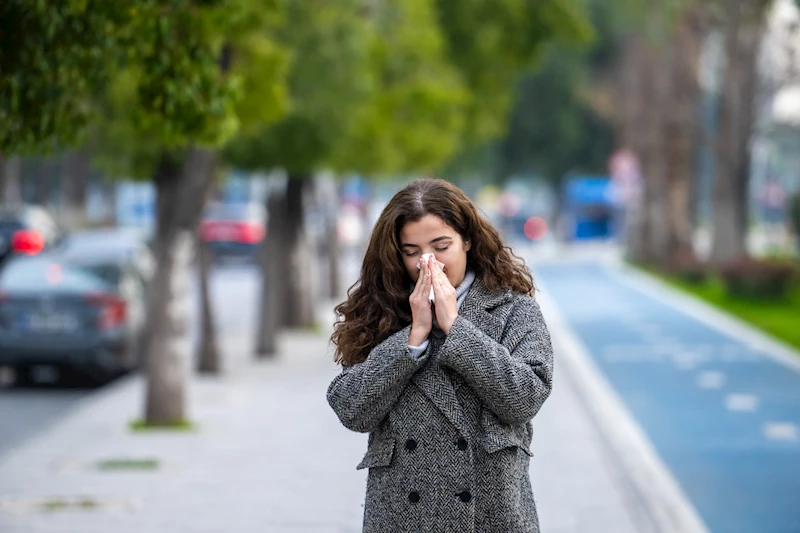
[(427, 281), (420, 280)]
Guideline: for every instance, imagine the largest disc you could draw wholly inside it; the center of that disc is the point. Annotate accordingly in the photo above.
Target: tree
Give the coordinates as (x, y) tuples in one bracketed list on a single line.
[(55, 55), (391, 103), (169, 90), (743, 27), (408, 105), (658, 101), (491, 42), (553, 126), (682, 128)]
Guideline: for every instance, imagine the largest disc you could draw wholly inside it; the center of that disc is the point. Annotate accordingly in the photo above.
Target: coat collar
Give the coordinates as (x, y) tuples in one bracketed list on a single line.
[(433, 381), (479, 302)]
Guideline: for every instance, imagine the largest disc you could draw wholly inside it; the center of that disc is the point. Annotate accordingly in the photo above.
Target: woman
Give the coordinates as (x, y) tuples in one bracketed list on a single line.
[(446, 389)]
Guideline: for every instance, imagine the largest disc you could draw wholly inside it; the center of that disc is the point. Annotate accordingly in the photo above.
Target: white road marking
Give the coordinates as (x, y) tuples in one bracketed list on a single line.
[(781, 431), (710, 380), (742, 402), (688, 360)]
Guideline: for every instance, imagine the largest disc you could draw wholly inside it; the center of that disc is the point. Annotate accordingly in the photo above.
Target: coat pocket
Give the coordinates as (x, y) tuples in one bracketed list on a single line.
[(496, 436), (379, 453)]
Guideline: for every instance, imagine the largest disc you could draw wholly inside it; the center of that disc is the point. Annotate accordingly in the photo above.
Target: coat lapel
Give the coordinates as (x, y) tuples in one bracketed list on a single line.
[(435, 384), (432, 380)]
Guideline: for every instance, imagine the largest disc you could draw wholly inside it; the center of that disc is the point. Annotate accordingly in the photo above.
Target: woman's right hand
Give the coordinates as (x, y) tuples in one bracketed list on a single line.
[(421, 310)]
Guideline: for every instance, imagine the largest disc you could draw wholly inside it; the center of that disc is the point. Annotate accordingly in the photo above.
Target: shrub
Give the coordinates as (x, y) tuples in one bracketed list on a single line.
[(759, 279)]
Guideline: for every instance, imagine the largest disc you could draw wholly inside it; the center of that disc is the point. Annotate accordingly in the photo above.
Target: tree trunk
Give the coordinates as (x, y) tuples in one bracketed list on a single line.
[(3, 172), (12, 189), (743, 31), (648, 140), (179, 203), (76, 181), (286, 295), (334, 258), (208, 356), (269, 260), (632, 121), (298, 304), (680, 131)]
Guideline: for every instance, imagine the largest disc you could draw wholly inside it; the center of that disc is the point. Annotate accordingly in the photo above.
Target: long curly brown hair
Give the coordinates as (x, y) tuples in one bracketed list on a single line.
[(378, 305)]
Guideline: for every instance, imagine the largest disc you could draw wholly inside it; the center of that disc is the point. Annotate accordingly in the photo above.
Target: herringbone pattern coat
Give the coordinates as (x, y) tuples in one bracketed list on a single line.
[(450, 431)]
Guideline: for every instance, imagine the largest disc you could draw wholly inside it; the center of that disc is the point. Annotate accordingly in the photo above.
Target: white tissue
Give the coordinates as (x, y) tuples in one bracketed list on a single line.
[(425, 257)]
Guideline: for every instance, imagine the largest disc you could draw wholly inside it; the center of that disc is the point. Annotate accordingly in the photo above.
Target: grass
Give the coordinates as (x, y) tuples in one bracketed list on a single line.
[(141, 426), (128, 464), (779, 318), (62, 505)]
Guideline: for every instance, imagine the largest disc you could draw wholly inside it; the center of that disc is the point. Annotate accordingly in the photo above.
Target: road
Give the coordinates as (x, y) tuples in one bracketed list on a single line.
[(24, 412), (722, 414)]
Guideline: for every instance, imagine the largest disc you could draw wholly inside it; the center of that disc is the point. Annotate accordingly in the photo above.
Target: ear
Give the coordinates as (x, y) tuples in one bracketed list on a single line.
[(467, 246)]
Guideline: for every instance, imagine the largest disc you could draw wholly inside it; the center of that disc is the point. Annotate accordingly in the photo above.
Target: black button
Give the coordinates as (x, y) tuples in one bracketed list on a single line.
[(462, 444), (411, 445), (413, 496), (464, 496)]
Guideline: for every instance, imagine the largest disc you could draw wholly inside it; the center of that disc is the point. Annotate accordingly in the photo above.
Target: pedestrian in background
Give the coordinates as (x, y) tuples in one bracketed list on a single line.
[(446, 359)]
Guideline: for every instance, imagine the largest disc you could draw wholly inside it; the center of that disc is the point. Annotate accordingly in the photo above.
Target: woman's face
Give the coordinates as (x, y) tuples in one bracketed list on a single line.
[(431, 235)]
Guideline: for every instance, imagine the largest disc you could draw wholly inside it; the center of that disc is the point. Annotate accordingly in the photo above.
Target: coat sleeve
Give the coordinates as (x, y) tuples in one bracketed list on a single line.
[(363, 394), (514, 378)]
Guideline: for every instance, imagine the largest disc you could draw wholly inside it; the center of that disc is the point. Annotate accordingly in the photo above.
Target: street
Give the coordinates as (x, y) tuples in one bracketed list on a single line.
[(721, 411), (716, 411), (25, 412)]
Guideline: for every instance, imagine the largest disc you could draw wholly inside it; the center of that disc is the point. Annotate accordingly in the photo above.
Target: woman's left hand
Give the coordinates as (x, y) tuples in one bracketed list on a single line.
[(446, 304)]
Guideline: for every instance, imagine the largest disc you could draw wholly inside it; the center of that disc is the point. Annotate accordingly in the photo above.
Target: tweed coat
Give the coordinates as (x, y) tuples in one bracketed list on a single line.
[(450, 430)]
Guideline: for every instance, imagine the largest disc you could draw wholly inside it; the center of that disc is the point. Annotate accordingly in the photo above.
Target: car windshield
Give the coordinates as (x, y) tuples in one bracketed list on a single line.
[(50, 275)]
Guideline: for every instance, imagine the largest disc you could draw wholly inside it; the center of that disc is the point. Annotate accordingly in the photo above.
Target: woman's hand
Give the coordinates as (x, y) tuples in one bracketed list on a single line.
[(445, 294), (421, 312)]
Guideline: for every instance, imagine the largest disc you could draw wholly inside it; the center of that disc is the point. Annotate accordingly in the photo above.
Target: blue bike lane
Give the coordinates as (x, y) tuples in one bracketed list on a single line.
[(723, 415)]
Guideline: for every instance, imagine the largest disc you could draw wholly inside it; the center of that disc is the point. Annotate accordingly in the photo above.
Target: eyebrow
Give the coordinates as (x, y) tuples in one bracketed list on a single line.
[(434, 241)]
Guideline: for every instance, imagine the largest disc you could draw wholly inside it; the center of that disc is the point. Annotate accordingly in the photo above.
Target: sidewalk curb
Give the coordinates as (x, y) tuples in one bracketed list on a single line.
[(656, 499), (728, 324)]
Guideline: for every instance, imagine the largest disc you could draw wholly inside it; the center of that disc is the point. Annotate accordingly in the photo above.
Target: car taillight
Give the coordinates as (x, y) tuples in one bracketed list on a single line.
[(251, 232), (27, 242), (113, 310), (207, 230)]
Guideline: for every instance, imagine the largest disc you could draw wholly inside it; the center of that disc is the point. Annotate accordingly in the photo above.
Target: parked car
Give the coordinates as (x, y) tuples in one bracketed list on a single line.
[(26, 230), (126, 247), (76, 315), (233, 230)]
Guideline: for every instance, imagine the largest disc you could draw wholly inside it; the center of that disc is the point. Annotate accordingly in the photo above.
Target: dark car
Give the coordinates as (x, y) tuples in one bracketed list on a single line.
[(233, 230), (79, 315), (26, 230)]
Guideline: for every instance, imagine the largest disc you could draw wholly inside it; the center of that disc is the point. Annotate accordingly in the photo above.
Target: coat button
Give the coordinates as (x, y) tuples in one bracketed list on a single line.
[(464, 496), (462, 444), (413, 496), (411, 445)]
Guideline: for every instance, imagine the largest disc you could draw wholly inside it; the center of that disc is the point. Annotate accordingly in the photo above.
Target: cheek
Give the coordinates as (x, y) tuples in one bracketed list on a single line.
[(454, 266)]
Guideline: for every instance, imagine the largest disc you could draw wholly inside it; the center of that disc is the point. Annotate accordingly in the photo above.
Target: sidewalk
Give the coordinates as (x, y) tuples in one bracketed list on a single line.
[(270, 456)]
